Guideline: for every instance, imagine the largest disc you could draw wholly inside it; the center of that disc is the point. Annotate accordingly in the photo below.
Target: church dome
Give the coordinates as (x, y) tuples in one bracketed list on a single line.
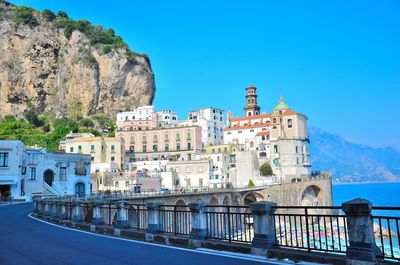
[(281, 106)]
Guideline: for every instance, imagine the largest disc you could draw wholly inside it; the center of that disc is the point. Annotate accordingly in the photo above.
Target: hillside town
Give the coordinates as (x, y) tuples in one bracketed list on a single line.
[(154, 150)]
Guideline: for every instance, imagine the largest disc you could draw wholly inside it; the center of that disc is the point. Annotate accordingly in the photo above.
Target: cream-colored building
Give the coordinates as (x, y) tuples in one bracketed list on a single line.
[(103, 150), (280, 137)]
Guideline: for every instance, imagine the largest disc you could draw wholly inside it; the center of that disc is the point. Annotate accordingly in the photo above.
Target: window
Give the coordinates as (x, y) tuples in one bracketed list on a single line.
[(297, 149), (92, 148), (178, 146), (155, 148), (263, 137), (298, 162), (92, 158), (127, 183), (189, 146), (3, 159), (155, 139), (101, 181), (189, 136), (251, 130), (187, 169), (112, 159), (200, 169), (132, 139), (79, 148), (225, 150), (132, 148), (116, 184), (71, 149), (216, 176), (275, 149), (144, 148), (32, 173), (178, 137), (63, 173), (166, 137), (289, 123), (113, 148), (200, 182), (144, 140), (166, 147), (274, 120), (229, 133)]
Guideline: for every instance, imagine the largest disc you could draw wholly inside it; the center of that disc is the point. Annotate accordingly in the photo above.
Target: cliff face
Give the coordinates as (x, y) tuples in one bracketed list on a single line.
[(43, 69)]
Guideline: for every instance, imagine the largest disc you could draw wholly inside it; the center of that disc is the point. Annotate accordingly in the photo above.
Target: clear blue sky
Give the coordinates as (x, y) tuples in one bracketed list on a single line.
[(338, 62)]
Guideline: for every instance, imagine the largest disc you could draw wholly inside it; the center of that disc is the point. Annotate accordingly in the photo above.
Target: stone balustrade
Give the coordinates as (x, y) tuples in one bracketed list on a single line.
[(121, 215)]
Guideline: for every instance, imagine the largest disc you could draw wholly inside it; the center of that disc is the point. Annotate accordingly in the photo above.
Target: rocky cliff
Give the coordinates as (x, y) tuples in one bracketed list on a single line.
[(53, 64)]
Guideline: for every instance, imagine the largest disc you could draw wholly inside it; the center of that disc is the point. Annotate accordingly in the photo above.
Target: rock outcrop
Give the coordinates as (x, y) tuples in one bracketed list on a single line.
[(43, 69)]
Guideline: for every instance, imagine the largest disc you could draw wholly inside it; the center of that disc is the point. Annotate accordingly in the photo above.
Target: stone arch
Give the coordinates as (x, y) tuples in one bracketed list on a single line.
[(237, 200), (214, 201), (311, 196), (226, 201), (180, 204), (252, 197)]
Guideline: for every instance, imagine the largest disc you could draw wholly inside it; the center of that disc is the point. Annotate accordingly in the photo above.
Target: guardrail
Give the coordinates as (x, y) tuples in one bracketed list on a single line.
[(356, 229), (311, 228), (229, 223)]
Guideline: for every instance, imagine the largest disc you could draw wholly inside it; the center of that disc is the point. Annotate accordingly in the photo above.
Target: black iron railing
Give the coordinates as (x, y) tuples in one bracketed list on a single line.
[(230, 223), (311, 228), (175, 219), (386, 231)]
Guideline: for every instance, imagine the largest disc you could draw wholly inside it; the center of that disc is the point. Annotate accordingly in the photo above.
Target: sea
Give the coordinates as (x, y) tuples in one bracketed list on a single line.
[(380, 194)]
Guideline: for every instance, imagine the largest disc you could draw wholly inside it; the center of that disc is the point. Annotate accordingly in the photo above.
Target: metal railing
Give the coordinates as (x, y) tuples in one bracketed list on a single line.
[(386, 231), (229, 223), (175, 219), (314, 228)]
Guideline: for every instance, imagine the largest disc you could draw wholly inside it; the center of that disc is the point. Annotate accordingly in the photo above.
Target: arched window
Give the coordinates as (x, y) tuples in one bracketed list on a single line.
[(189, 136), (178, 137)]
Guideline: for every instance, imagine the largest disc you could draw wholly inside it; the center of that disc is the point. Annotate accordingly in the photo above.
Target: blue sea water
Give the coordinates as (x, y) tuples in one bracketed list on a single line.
[(380, 194)]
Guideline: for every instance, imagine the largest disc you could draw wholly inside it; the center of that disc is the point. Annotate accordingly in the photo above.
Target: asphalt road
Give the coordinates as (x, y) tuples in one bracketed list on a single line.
[(27, 241)]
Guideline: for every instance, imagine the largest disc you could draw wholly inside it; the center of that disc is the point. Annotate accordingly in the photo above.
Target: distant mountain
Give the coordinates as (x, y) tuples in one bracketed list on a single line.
[(350, 162)]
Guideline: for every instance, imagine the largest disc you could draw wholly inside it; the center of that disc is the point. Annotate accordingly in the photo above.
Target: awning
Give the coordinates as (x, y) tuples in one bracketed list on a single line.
[(8, 182)]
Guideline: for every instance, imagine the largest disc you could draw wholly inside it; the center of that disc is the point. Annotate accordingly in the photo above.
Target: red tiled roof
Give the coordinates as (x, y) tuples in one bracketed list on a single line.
[(250, 117), (263, 133)]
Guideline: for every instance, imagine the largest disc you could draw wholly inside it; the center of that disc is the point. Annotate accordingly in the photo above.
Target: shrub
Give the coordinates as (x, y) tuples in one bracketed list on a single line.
[(24, 15), (64, 125), (48, 15), (31, 116), (106, 49), (266, 170), (250, 184), (88, 123), (62, 14)]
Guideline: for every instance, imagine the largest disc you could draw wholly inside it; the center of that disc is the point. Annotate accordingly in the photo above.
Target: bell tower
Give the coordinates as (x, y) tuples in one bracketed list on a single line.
[(251, 107)]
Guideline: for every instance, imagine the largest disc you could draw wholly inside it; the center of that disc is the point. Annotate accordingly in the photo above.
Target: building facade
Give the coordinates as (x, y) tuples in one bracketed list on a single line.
[(106, 152), (211, 121), (163, 143), (279, 137), (29, 172)]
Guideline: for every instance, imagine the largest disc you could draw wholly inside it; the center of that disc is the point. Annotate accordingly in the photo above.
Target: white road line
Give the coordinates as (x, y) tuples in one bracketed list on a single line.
[(203, 251)]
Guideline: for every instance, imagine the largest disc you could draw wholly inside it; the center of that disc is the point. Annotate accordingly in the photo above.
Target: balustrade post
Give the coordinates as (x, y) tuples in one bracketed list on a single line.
[(264, 226), (63, 210), (57, 207), (154, 220), (77, 211), (47, 208), (36, 209), (96, 214), (360, 229), (198, 221), (122, 215)]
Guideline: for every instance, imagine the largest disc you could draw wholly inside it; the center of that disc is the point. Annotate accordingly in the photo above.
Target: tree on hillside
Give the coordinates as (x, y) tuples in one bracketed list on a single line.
[(266, 170)]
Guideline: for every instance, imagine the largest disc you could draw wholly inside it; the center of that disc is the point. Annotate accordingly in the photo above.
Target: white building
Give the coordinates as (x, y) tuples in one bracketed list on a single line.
[(211, 120), (30, 172), (11, 169), (140, 114), (167, 118)]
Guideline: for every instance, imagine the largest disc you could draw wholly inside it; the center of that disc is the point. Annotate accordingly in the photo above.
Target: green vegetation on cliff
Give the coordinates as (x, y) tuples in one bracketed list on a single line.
[(35, 130)]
